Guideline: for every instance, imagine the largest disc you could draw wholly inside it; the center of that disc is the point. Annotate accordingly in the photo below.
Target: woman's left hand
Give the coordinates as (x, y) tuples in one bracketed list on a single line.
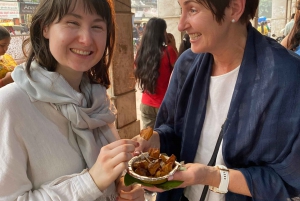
[(132, 192), (195, 173)]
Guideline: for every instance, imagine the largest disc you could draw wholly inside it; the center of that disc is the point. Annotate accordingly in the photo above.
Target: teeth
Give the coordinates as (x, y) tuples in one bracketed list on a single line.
[(81, 52), (194, 36)]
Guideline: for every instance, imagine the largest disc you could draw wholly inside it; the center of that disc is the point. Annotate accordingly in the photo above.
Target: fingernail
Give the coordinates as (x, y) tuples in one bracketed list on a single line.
[(170, 178)]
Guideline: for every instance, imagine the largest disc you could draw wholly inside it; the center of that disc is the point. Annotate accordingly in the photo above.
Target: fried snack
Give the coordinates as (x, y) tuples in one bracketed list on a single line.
[(154, 153), (153, 167), (156, 165), (146, 133)]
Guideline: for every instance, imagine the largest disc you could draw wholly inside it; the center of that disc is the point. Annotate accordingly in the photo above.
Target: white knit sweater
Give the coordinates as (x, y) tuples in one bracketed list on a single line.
[(36, 155)]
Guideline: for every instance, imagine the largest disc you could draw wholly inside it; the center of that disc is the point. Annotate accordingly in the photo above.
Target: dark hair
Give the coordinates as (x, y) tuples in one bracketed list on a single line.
[(150, 53), (294, 36), (292, 16), (4, 33), (185, 44), (217, 7), (47, 12)]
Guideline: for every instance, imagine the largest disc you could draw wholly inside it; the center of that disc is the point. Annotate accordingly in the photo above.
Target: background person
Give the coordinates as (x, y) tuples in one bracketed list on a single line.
[(172, 42), (64, 145), (7, 63), (237, 86), (292, 40), (263, 29), (185, 44), (154, 64), (288, 27)]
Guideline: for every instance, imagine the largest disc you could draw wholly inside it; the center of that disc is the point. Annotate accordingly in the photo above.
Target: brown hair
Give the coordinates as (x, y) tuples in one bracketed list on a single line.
[(294, 36), (50, 10), (4, 33), (218, 7)]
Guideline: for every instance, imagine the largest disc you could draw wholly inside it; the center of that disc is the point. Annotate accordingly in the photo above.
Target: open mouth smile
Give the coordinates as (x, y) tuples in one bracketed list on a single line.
[(81, 52)]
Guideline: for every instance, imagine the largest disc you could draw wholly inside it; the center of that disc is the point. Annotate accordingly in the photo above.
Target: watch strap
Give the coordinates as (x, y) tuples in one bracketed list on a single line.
[(223, 187)]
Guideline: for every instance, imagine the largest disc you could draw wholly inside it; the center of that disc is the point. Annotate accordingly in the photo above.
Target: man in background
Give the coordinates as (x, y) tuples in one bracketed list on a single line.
[(289, 25)]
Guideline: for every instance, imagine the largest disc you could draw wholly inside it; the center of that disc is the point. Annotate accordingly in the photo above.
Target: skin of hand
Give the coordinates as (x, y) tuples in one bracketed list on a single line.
[(197, 173), (132, 192), (112, 161), (144, 145), (7, 79)]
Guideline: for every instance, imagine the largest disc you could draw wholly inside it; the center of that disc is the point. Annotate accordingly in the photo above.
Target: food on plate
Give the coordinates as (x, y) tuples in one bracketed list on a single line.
[(146, 133), (154, 165)]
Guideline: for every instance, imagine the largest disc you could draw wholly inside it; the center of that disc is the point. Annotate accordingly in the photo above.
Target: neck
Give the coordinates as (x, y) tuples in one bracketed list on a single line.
[(72, 77), (231, 54)]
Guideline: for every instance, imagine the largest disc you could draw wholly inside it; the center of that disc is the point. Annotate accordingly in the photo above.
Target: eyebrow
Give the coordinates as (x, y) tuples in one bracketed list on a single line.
[(189, 1), (100, 19)]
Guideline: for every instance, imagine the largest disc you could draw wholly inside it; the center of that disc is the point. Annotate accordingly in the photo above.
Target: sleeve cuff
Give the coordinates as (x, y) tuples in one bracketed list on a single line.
[(86, 187)]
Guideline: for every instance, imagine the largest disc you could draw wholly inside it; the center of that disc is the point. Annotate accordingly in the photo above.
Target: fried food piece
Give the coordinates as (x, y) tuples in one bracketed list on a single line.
[(141, 171), (163, 158), (153, 167), (154, 153), (171, 159), (140, 164), (146, 133), (166, 169)]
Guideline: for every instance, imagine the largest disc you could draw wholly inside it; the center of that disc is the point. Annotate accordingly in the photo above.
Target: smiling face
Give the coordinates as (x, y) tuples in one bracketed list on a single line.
[(77, 41), (206, 34)]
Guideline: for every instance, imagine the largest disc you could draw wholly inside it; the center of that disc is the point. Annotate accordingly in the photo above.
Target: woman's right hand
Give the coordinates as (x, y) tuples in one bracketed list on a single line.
[(112, 161), (144, 145)]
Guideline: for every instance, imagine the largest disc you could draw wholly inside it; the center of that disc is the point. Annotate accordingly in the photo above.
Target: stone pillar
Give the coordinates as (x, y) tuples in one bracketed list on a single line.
[(169, 10), (122, 90), (280, 14)]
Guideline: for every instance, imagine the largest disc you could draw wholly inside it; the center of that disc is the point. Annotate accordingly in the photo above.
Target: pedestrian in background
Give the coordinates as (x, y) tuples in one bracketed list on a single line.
[(154, 64), (292, 40), (7, 63), (289, 26), (185, 44)]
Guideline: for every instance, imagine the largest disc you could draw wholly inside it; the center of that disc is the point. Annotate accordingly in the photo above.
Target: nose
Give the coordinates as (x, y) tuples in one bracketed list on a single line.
[(85, 37), (182, 24)]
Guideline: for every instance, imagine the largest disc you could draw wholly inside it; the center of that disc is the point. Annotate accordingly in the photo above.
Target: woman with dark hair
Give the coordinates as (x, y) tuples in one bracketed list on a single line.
[(7, 63), (292, 40), (58, 140), (154, 64), (185, 44), (231, 111)]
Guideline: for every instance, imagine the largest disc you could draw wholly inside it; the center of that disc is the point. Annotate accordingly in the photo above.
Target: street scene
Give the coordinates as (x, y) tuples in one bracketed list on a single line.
[(149, 100)]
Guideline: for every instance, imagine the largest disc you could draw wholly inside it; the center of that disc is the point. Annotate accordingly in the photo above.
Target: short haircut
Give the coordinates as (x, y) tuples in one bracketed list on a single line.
[(218, 7)]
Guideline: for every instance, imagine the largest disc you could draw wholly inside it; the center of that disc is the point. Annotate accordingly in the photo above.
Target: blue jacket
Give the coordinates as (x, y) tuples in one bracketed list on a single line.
[(261, 133)]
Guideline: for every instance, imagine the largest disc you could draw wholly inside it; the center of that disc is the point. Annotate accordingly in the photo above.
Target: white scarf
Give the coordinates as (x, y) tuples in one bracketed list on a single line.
[(88, 112)]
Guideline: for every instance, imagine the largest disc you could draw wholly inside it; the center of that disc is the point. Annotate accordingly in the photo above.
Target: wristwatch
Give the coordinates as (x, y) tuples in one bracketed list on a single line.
[(223, 187)]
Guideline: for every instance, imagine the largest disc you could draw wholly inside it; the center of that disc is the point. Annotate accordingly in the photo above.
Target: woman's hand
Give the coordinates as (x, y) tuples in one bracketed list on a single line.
[(194, 174), (132, 192), (144, 145), (112, 161)]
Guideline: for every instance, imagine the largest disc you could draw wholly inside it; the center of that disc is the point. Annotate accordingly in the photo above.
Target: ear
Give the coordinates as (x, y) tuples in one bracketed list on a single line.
[(237, 8), (46, 32)]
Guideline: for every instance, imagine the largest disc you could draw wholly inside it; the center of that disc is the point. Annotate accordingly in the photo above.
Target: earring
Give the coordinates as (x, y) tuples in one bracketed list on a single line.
[(233, 20)]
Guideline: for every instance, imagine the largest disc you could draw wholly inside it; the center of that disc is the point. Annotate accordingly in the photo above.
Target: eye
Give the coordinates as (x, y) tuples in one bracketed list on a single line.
[(192, 10), (72, 23), (98, 27)]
